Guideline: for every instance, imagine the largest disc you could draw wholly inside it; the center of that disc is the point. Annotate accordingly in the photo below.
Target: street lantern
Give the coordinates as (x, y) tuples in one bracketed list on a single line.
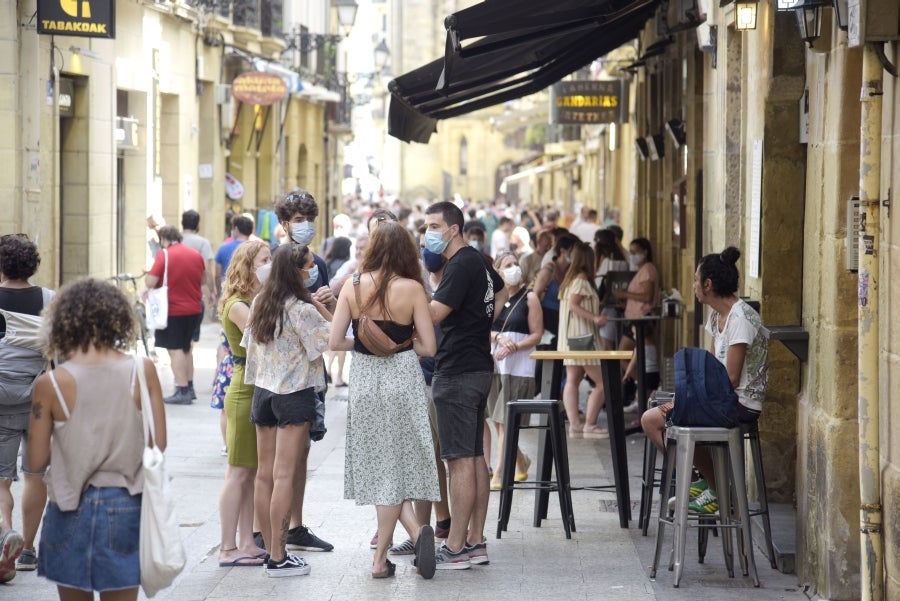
[(382, 56), (346, 10), (840, 13), (745, 15), (809, 19)]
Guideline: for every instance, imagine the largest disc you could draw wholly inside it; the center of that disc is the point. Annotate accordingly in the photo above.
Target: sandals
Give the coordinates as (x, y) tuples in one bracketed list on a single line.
[(595, 432), (386, 572), (522, 475)]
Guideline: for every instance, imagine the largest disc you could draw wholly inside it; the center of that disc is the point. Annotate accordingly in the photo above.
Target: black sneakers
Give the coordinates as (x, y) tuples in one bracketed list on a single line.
[(291, 565), (301, 538)]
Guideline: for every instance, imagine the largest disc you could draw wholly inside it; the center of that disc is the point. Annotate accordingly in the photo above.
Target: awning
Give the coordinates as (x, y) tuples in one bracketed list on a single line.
[(526, 46), (555, 165)]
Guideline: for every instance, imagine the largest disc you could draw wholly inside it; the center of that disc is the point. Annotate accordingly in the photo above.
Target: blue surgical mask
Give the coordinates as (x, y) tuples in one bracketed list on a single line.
[(303, 233), (475, 244), (432, 261), (313, 276), (434, 241)]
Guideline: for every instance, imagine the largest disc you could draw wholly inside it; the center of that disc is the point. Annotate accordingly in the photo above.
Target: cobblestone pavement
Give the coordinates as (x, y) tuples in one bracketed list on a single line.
[(601, 561)]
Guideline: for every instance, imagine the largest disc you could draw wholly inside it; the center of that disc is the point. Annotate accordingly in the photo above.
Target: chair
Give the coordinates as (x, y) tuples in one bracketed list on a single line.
[(555, 455), (727, 447), (648, 473)]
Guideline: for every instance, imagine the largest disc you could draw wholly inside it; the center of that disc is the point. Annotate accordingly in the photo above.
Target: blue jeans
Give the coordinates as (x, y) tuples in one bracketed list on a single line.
[(459, 402), (95, 547)]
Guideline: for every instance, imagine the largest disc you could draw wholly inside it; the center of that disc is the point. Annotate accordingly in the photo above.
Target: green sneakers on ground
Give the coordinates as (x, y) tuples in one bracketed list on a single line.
[(697, 487)]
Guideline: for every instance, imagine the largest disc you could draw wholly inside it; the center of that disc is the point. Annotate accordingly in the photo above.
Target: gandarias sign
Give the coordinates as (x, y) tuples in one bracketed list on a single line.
[(256, 87), (586, 102), (85, 18)]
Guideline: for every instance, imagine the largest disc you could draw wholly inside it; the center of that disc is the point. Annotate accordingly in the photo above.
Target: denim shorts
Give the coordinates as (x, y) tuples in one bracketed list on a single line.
[(291, 409), (13, 430), (95, 547), (460, 401)]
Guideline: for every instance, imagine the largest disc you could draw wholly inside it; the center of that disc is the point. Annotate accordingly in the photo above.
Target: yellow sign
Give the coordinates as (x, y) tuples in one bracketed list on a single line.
[(85, 18), (585, 102)]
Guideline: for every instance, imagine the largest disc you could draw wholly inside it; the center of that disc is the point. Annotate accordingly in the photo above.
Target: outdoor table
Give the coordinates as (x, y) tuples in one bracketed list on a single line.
[(612, 384), (639, 324)]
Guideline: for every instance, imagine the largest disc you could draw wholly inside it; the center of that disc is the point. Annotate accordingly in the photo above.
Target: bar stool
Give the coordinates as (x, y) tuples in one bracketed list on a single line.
[(555, 453), (730, 470), (750, 433), (648, 473)]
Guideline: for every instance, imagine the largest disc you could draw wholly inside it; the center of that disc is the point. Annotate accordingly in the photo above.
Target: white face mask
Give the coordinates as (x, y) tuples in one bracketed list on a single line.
[(513, 275), (637, 260), (475, 244), (313, 276), (303, 233), (262, 272)]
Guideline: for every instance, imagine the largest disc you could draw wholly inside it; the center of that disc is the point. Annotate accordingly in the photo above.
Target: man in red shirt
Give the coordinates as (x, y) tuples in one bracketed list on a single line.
[(183, 269)]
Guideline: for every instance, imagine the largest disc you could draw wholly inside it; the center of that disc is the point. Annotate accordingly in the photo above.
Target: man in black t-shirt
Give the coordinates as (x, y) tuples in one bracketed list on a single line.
[(463, 305)]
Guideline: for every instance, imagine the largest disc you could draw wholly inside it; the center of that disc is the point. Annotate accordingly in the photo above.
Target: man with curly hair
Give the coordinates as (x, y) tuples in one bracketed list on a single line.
[(20, 363)]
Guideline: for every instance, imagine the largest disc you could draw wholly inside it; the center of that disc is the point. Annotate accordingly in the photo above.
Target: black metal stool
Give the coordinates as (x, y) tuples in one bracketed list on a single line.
[(555, 455)]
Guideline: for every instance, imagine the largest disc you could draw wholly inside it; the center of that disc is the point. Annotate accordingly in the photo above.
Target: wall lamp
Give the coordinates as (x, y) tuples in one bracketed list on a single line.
[(841, 14), (84, 52), (745, 14), (809, 16)]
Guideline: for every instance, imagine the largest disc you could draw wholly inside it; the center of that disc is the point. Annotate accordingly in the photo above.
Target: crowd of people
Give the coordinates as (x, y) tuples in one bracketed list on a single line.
[(440, 308)]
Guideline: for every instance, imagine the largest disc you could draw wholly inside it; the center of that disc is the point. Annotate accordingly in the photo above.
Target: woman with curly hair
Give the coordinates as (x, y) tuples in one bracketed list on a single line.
[(390, 454), (86, 425), (21, 361), (287, 334), (236, 499)]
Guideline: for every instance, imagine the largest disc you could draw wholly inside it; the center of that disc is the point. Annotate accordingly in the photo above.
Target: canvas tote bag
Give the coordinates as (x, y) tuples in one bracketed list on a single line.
[(161, 550), (158, 301)]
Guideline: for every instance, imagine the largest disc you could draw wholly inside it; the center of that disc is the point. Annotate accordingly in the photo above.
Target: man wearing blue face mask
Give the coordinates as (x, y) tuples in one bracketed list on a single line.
[(464, 306), (297, 212)]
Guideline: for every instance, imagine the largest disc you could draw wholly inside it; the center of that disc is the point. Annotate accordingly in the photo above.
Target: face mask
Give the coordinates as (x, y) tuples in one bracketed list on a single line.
[(637, 260), (313, 276), (432, 261), (303, 233), (568, 259), (512, 275), (475, 244), (262, 272), (434, 241)]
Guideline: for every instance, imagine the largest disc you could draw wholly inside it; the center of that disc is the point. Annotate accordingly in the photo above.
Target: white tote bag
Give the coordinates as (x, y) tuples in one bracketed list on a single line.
[(158, 300), (161, 550)]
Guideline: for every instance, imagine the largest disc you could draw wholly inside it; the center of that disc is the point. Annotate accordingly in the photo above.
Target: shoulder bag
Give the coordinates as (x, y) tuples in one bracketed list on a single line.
[(161, 550), (578, 343), (370, 333), (158, 300)]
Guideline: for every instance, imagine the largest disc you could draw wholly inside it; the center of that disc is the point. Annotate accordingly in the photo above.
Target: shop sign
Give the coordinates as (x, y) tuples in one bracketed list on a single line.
[(66, 97), (256, 87), (234, 189), (85, 18), (588, 102)]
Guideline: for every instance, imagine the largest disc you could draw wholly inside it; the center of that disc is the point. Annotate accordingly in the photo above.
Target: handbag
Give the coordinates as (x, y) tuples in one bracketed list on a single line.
[(158, 301), (162, 554), (370, 333), (578, 343)]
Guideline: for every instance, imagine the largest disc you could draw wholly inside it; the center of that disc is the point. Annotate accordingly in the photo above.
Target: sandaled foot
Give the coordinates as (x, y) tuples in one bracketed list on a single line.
[(595, 432), (387, 572)]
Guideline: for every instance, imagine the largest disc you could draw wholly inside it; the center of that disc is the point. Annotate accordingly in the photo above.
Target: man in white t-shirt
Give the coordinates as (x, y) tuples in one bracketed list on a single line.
[(586, 228)]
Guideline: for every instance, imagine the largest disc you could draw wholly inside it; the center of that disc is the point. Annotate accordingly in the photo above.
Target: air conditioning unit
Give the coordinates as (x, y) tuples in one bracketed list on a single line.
[(126, 133), (223, 93)]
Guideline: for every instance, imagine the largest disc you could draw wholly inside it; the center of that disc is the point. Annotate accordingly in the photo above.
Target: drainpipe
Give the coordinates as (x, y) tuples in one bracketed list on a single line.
[(870, 541)]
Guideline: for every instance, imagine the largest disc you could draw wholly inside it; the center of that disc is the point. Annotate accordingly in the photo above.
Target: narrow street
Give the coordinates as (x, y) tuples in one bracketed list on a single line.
[(601, 561)]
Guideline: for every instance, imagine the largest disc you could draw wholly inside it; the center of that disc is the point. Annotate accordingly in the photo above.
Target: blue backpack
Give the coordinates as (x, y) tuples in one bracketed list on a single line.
[(704, 395)]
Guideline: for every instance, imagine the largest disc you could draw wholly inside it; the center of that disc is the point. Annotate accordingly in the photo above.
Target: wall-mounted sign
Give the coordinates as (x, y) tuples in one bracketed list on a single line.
[(85, 18), (256, 87), (234, 189), (587, 102)]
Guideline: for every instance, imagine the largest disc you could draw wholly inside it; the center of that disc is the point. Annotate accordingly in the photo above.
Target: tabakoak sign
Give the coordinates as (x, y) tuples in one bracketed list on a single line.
[(85, 18), (256, 87)]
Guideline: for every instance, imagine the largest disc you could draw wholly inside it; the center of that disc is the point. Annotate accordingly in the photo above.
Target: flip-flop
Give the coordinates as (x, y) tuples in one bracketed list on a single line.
[(242, 561), (386, 572), (425, 561)]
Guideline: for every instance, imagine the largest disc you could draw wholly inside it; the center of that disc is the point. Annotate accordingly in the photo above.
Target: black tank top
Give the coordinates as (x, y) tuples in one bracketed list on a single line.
[(397, 332)]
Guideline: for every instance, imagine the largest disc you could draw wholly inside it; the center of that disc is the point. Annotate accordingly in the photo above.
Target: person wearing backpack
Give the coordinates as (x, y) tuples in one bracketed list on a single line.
[(21, 362), (740, 343)]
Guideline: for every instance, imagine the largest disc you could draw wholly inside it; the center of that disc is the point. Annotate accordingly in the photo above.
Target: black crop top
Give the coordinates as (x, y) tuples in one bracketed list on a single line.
[(396, 331)]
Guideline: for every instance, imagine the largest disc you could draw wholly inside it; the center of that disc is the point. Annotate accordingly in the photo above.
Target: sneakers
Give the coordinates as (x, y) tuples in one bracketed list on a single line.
[(697, 487), (190, 390), (291, 565), (706, 502), (477, 553), (595, 432), (11, 544), (442, 529), (303, 539), (445, 559), (27, 561), (404, 548), (631, 407), (182, 396)]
